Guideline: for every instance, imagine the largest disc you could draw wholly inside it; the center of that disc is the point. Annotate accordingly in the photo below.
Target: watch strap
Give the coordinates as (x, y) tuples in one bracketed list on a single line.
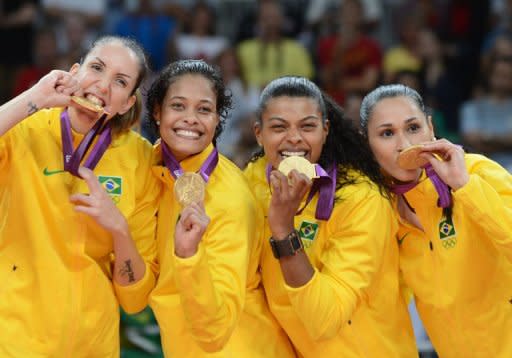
[(287, 246)]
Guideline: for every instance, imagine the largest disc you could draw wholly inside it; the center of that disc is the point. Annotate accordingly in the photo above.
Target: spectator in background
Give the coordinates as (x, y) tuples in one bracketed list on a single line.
[(151, 28), (270, 55), (486, 122), (244, 101), (77, 24), (45, 57), (349, 61), (249, 25), (16, 36), (199, 39), (405, 55)]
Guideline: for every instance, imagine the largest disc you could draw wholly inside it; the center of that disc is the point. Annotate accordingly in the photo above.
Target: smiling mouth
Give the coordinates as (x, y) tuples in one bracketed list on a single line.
[(187, 134), (96, 100), (287, 153)]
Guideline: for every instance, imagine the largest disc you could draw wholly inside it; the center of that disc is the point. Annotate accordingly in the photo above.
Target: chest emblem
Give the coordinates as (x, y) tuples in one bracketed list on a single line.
[(308, 232), (112, 185), (447, 233)]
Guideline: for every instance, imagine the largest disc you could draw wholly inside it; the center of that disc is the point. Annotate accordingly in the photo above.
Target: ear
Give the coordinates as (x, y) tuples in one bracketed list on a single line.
[(431, 127), (156, 113), (74, 69), (327, 126), (256, 127), (129, 103)]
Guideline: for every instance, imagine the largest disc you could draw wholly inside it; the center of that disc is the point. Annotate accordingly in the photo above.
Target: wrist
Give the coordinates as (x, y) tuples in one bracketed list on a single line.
[(281, 234), (185, 252), (121, 231), (288, 246), (460, 183)]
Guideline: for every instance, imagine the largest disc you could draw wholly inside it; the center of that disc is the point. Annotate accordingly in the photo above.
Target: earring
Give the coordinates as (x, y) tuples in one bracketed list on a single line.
[(158, 123), (434, 138)]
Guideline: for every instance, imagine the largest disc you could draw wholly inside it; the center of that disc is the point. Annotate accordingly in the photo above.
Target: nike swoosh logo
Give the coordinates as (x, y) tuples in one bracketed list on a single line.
[(51, 172), (402, 239)]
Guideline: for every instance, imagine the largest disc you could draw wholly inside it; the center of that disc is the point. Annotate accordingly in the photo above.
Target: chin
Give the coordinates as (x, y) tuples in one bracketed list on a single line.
[(406, 176)]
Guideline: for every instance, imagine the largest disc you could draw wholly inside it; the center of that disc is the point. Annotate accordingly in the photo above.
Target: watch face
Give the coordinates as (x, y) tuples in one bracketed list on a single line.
[(286, 247)]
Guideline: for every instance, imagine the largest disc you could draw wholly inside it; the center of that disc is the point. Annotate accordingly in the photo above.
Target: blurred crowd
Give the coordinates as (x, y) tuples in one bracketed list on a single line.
[(457, 53)]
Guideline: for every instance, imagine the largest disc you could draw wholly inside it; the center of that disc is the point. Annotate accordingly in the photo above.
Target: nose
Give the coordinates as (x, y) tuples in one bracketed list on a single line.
[(403, 142), (294, 136), (190, 117), (103, 85)]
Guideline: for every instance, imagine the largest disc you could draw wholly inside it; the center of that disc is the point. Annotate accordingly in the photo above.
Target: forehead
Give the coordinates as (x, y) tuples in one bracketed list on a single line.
[(193, 86), (394, 109), (116, 56), (291, 107)]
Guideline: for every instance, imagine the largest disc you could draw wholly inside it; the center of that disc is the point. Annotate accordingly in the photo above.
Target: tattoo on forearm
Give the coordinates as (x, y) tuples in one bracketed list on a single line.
[(32, 108), (127, 270)]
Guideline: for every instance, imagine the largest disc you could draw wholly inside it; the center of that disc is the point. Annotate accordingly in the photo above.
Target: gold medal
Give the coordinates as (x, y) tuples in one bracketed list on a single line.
[(85, 103), (189, 188), (301, 164), (410, 158)]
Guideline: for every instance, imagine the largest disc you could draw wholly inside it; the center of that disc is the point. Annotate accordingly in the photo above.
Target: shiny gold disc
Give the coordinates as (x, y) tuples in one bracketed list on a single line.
[(189, 188), (301, 164)]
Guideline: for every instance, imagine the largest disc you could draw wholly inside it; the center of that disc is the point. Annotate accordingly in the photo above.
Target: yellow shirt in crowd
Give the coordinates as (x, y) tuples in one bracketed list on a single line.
[(56, 292), (352, 306), (461, 270)]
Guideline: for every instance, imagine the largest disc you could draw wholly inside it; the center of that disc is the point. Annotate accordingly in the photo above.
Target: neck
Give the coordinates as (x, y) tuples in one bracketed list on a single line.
[(81, 122)]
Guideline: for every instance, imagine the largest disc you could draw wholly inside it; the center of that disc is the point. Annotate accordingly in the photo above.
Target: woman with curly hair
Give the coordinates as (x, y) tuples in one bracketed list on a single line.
[(208, 297), (330, 267)]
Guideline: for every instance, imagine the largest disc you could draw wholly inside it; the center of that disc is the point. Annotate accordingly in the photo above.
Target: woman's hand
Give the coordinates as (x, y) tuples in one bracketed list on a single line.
[(54, 89), (452, 168), (99, 205), (189, 230), (287, 194)]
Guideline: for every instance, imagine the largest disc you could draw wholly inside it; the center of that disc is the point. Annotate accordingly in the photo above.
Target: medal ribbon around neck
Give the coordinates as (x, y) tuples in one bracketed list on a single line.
[(73, 158), (175, 168), (443, 191), (325, 184)]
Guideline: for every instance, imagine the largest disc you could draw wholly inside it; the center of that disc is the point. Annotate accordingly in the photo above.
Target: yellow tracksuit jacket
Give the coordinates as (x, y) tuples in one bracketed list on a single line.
[(56, 292), (352, 307), (461, 271), (212, 304)]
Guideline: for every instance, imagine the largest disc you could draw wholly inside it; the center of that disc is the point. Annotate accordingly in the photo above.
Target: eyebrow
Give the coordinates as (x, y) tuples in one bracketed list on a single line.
[(310, 117), (387, 125), (105, 65), (185, 98)]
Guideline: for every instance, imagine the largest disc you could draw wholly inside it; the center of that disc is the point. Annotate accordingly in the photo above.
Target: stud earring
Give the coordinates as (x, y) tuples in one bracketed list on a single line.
[(158, 123)]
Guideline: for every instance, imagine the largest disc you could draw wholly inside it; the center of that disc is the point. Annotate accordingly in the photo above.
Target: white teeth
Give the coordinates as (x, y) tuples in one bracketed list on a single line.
[(95, 99), (290, 154), (188, 134)]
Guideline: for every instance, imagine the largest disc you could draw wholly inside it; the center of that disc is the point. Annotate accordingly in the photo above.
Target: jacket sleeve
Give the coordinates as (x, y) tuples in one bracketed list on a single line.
[(487, 201), (142, 223), (349, 261), (212, 282)]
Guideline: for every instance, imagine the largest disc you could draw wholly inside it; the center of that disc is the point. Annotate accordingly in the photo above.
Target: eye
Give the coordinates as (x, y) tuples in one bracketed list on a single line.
[(205, 110), (95, 66), (386, 133), (414, 127), (277, 127), (177, 106), (309, 126), (122, 82)]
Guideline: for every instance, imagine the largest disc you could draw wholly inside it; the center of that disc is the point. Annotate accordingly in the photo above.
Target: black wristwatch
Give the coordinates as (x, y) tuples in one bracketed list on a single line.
[(286, 247)]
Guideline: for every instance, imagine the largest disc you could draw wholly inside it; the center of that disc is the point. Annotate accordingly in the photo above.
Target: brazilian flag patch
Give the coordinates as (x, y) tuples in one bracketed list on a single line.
[(308, 230), (447, 233), (113, 185)]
